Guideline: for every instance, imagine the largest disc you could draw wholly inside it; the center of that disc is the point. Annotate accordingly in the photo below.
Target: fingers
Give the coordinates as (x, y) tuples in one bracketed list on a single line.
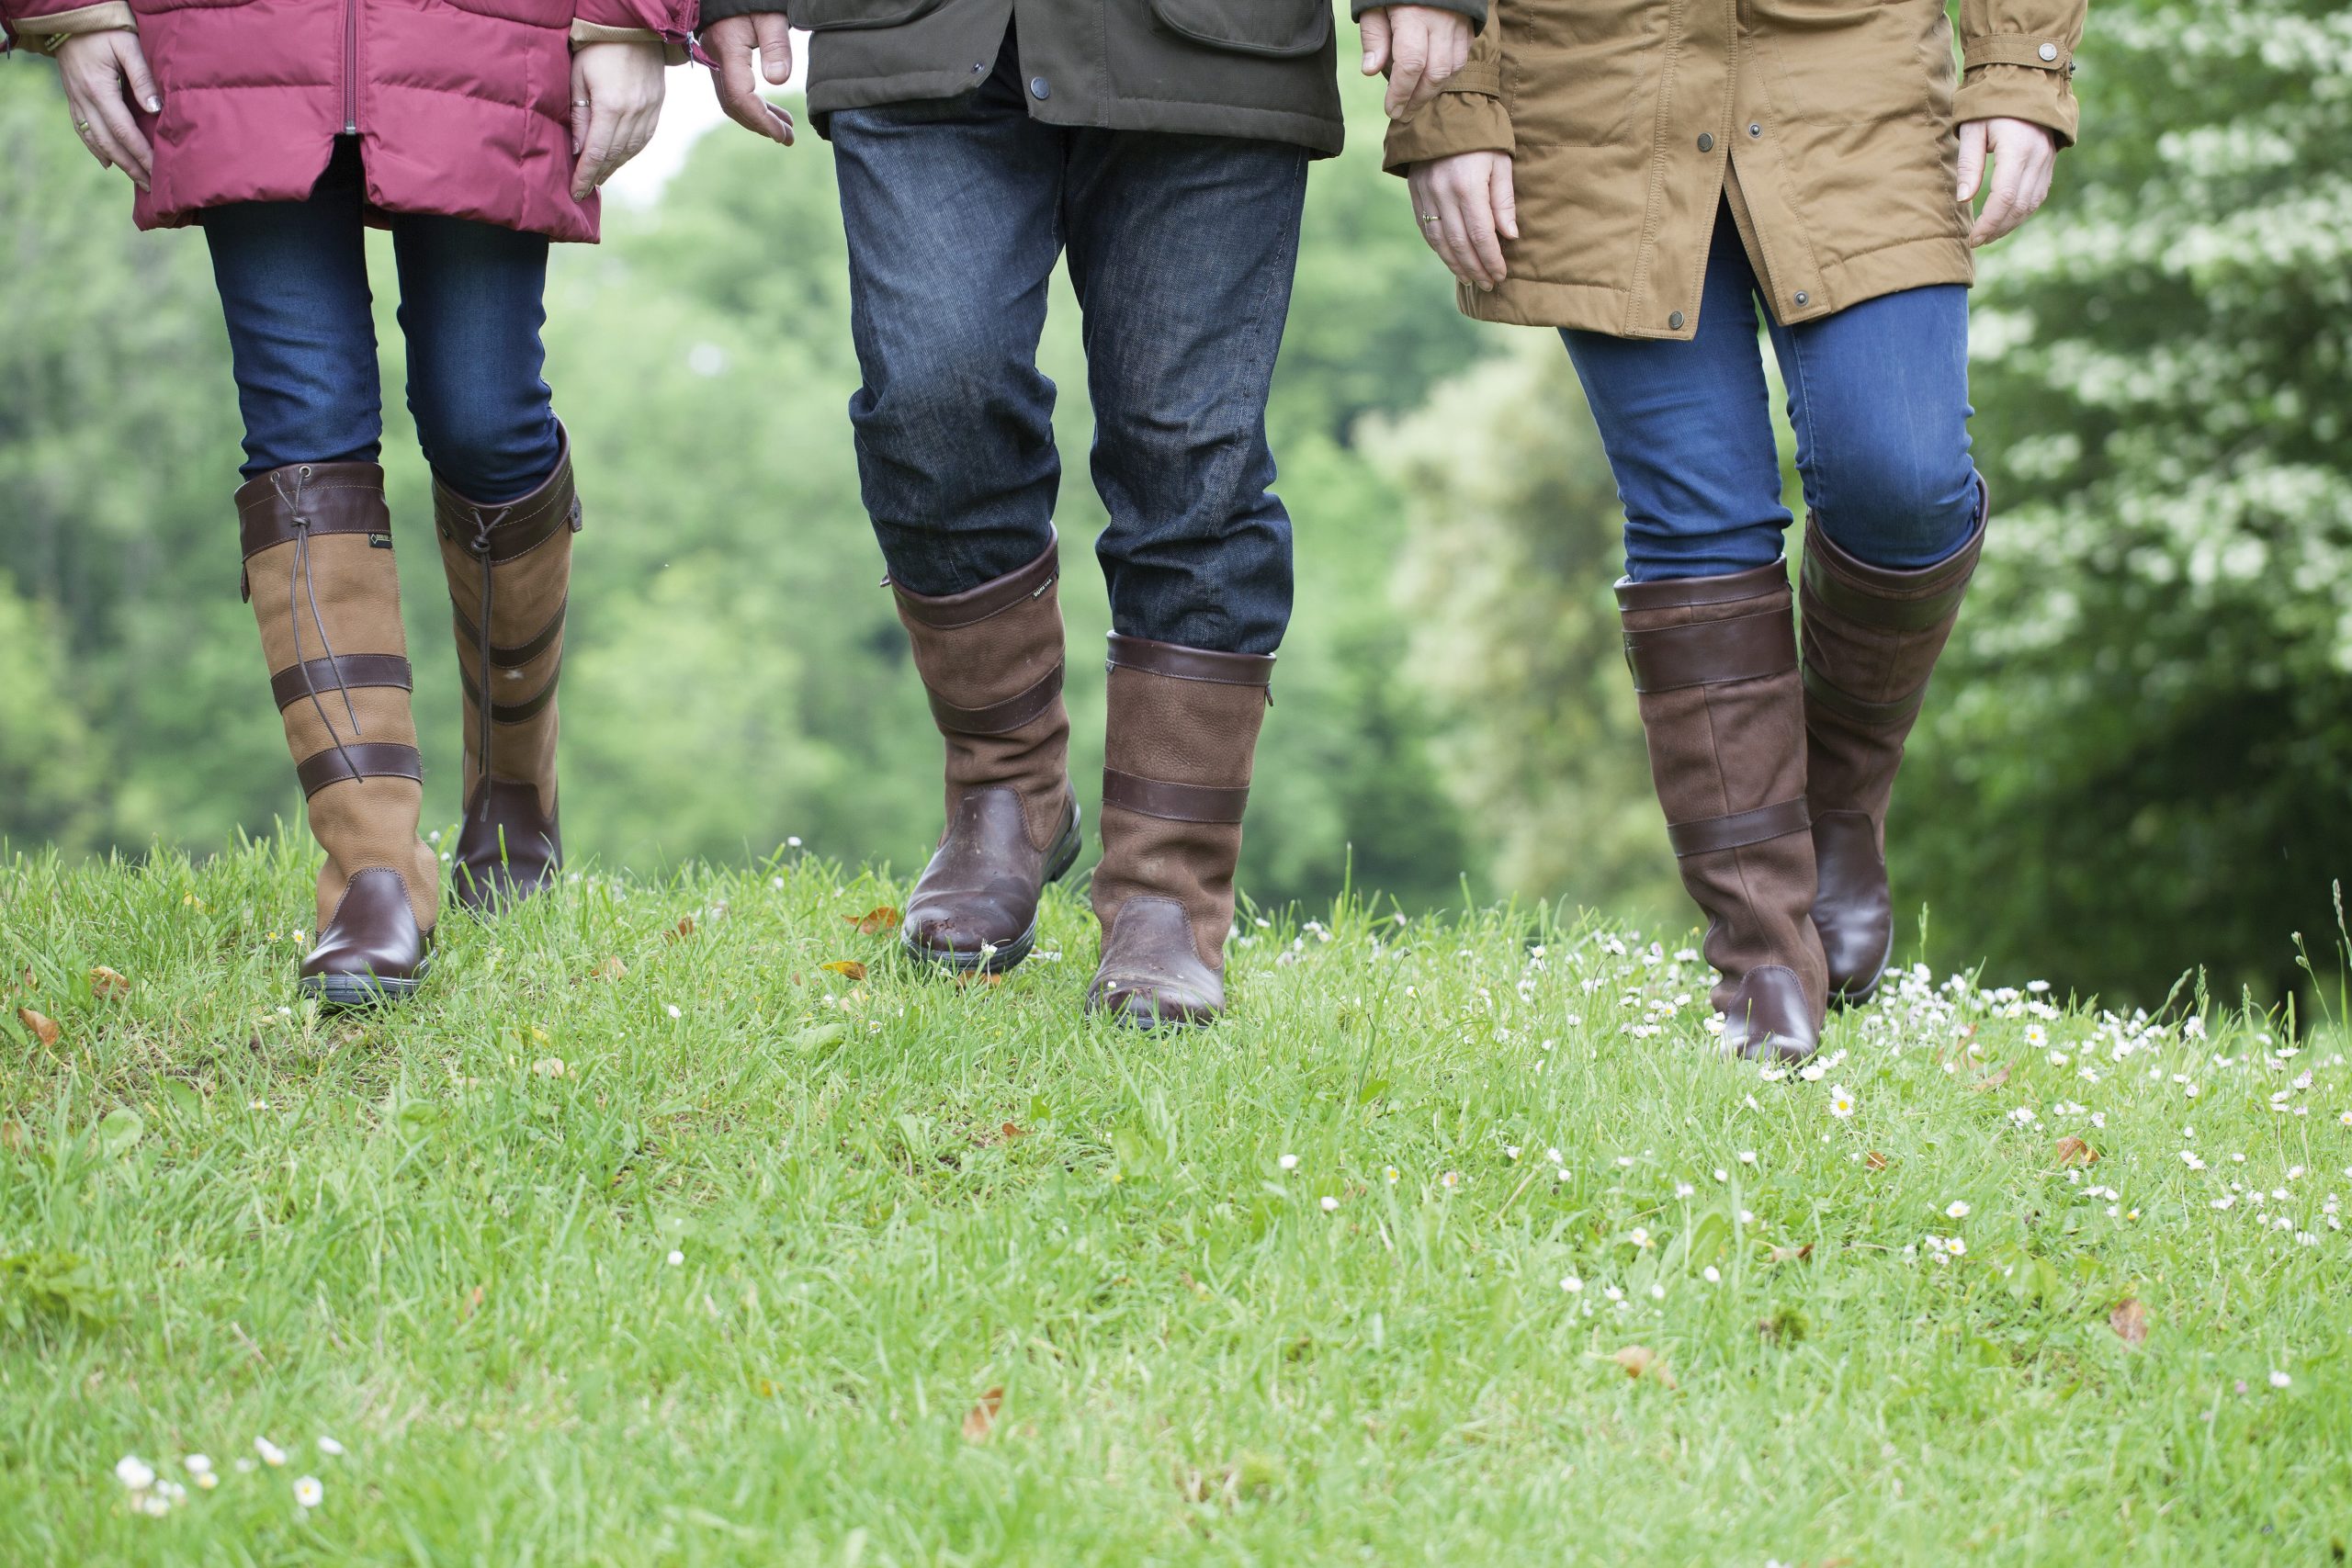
[(595, 158), (2024, 158), (729, 45), (1446, 47), (1972, 158), (1425, 210), (1505, 197), (103, 118), (1408, 60), (1374, 27), (135, 71), (774, 36)]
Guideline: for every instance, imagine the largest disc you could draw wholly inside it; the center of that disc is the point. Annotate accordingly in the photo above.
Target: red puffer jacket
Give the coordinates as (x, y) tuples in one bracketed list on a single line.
[(461, 106)]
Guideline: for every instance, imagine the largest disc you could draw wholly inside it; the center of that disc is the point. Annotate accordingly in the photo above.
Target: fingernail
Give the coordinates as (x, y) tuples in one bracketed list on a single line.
[(155, 106)]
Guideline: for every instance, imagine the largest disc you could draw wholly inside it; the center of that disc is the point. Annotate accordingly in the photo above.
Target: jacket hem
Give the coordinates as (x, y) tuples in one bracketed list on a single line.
[(1322, 136)]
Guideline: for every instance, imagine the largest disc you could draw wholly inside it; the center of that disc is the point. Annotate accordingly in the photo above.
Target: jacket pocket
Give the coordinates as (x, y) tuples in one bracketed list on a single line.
[(527, 13), (1280, 30), (837, 15)]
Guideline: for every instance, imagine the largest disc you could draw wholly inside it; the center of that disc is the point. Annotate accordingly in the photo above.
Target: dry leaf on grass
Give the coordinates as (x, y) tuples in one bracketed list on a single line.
[(1874, 1161), (105, 982), (610, 969), (685, 927), (2074, 1151), (849, 966), (472, 1304), (1792, 1254), (1641, 1361), (12, 1136), (44, 1027), (881, 918), (2130, 1321), (980, 1420), (1992, 1080)]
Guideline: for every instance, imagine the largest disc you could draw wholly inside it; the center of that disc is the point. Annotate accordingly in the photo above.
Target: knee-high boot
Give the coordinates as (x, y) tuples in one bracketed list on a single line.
[(1714, 662), (319, 573), (1872, 639), (990, 658), (1181, 734), (509, 569)]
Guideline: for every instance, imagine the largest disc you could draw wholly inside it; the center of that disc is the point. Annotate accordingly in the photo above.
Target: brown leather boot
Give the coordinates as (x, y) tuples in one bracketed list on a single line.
[(509, 569), (319, 573), (1183, 728), (1714, 662), (1872, 638), (990, 658)]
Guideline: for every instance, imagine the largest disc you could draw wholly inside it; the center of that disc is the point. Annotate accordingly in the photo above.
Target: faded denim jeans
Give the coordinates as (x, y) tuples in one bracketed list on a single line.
[(1182, 249)]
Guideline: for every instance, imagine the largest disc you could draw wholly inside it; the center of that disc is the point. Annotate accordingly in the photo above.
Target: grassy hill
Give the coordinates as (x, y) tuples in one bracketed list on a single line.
[(662, 1233)]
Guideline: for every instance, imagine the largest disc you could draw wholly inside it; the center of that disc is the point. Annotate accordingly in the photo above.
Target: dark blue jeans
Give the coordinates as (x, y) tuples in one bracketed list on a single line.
[(1182, 249), (293, 278), (1878, 394)]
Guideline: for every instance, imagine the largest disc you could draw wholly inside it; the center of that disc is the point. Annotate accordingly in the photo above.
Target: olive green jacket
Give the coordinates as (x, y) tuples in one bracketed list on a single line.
[(1829, 127), (1262, 69)]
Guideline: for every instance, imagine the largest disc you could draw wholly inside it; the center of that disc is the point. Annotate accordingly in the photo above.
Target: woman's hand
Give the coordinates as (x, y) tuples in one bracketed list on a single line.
[(1421, 46), (1466, 210), (616, 104), (730, 42), (2024, 157), (104, 73)]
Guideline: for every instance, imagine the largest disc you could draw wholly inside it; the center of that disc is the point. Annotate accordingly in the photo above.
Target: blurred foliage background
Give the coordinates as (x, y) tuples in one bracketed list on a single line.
[(2138, 761)]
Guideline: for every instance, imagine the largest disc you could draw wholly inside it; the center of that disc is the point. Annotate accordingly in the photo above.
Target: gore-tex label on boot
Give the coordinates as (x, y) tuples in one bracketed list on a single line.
[(379, 541)]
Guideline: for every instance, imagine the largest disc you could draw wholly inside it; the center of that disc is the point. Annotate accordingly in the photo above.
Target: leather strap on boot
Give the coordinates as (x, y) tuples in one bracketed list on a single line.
[(1872, 639), (990, 658), (319, 572), (1181, 736), (1714, 666), (509, 569)]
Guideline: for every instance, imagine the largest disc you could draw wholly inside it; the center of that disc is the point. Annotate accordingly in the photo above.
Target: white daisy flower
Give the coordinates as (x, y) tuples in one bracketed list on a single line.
[(308, 1492)]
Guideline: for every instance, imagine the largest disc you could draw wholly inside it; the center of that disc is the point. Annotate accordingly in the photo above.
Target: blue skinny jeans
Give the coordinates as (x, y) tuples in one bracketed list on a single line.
[(293, 281), (1878, 394)]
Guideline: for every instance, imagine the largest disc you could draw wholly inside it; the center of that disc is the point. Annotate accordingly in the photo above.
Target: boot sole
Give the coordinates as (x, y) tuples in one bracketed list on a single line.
[(352, 993), (1058, 860)]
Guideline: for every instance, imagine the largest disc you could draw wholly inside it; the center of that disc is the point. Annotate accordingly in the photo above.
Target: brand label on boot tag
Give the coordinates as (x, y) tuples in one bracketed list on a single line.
[(379, 541)]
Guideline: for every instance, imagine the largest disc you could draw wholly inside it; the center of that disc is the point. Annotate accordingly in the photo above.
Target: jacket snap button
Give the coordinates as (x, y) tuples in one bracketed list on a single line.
[(1040, 87), (1754, 130), (2048, 51), (1674, 322), (1706, 142), (1802, 298)]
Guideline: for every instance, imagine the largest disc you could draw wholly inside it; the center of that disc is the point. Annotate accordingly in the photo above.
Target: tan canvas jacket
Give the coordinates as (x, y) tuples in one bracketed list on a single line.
[(1831, 127)]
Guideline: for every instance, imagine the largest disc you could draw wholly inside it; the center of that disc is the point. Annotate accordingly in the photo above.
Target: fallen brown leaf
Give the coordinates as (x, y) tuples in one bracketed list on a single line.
[(105, 982), (978, 977), (1641, 1361), (1992, 1080), (1874, 1161), (1010, 1132), (881, 918), (44, 1027), (980, 1420), (849, 966), (1792, 1254), (473, 1300), (12, 1136), (2074, 1151), (2130, 1321), (610, 969)]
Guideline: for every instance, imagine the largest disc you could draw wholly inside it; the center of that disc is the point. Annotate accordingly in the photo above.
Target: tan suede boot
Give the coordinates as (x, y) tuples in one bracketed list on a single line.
[(990, 658), (509, 569), (1183, 732), (1714, 662), (319, 573), (1872, 639)]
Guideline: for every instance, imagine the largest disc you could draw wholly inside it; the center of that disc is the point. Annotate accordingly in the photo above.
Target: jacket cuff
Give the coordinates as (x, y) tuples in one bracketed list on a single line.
[(1474, 9), (1454, 121), (2039, 93), (673, 52), (43, 34)]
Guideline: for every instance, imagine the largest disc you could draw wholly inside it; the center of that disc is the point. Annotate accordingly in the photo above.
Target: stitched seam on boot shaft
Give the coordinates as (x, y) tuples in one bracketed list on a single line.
[(1751, 646), (1739, 829), (954, 612), (997, 718), (1899, 711)]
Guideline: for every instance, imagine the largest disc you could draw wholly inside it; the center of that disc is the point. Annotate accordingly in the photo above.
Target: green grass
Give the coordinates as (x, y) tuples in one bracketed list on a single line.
[(730, 1286)]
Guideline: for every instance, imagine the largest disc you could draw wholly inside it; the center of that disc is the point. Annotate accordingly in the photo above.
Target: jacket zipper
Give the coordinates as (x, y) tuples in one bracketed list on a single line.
[(351, 67)]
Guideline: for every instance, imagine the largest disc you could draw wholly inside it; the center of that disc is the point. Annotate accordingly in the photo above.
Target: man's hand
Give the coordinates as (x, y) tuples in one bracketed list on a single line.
[(2024, 157), (1466, 210), (616, 105), (730, 42), (1421, 46), (104, 73)]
